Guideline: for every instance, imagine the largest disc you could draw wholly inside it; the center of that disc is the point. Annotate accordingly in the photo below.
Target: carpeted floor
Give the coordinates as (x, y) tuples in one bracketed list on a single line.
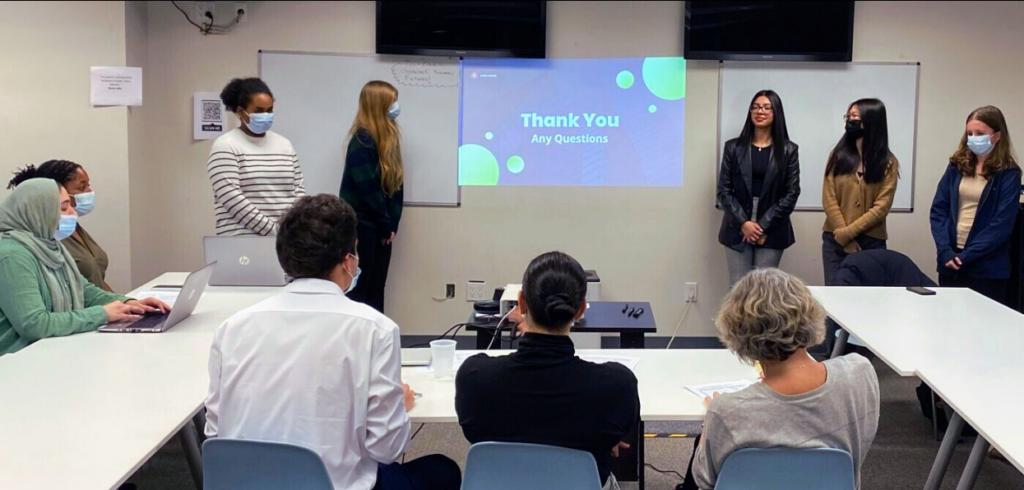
[(900, 457)]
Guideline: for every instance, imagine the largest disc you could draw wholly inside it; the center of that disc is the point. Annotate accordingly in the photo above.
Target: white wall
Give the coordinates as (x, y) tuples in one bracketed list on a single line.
[(48, 48), (645, 243)]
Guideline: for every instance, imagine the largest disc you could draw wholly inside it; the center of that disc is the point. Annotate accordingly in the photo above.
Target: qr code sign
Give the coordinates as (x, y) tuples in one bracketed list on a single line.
[(211, 110)]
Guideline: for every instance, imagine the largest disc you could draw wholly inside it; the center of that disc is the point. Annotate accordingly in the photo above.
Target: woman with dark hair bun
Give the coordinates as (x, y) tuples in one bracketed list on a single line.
[(254, 171), (90, 258), (582, 405)]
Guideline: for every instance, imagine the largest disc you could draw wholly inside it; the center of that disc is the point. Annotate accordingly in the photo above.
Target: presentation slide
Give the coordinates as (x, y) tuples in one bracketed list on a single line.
[(572, 122)]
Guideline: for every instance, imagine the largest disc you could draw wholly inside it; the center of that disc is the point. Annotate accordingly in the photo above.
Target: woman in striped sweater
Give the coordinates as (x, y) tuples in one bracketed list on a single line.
[(254, 171)]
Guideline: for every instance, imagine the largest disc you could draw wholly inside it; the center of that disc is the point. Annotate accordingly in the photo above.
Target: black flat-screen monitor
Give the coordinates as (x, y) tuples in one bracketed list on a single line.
[(466, 29), (765, 31)]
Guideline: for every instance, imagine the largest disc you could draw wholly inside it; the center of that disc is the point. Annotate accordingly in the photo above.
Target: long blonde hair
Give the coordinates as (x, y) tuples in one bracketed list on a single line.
[(374, 101)]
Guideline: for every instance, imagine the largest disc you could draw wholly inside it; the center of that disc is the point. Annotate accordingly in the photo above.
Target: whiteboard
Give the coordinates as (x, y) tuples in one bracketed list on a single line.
[(316, 97), (815, 97)]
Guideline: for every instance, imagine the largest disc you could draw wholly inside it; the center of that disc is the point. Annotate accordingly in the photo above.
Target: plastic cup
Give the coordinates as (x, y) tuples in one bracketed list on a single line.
[(442, 358)]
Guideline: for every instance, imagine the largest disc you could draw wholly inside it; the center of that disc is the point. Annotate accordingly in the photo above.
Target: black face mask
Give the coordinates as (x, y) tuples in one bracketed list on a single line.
[(854, 129)]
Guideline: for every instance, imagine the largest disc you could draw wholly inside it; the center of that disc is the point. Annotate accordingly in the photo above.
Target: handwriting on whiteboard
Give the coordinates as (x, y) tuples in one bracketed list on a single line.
[(426, 75)]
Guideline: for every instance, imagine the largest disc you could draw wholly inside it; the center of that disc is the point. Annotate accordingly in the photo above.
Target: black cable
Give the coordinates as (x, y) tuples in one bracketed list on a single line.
[(455, 327), (411, 438), (189, 19), (665, 472), (417, 432)]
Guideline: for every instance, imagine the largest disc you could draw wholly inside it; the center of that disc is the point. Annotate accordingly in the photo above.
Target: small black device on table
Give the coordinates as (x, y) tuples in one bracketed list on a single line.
[(630, 319)]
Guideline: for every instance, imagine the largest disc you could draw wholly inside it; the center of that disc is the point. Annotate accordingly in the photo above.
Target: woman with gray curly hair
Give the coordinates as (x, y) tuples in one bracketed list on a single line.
[(770, 317)]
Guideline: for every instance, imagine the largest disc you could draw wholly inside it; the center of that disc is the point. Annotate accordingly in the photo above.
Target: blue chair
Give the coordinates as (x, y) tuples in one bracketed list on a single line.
[(786, 469), (516, 466), (238, 464)]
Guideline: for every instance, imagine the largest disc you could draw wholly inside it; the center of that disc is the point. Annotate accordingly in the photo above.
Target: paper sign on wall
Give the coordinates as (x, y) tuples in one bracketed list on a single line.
[(115, 85), (208, 118)]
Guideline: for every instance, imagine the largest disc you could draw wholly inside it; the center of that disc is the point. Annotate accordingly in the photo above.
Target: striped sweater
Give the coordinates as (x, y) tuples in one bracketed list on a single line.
[(255, 180)]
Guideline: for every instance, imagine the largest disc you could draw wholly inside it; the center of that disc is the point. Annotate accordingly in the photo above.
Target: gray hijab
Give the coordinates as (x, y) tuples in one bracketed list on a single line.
[(29, 215)]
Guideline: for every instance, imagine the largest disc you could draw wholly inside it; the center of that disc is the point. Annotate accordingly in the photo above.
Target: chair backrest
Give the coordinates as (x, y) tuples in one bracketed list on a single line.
[(516, 466), (786, 469), (237, 464)]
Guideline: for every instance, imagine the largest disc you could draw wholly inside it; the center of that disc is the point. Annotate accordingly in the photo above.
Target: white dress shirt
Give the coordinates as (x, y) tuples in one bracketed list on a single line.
[(313, 368)]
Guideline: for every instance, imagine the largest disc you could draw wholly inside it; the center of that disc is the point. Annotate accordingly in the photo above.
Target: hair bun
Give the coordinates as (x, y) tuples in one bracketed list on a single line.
[(558, 309)]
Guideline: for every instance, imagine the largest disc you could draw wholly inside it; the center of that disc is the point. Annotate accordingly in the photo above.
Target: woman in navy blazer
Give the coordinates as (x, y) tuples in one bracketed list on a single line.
[(975, 208)]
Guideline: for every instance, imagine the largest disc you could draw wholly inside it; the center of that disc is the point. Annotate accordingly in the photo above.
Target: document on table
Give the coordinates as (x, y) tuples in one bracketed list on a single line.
[(168, 296), (706, 390), (629, 362)]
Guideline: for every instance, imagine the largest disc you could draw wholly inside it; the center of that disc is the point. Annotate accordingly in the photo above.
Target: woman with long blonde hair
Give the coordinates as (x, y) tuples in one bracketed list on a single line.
[(372, 184)]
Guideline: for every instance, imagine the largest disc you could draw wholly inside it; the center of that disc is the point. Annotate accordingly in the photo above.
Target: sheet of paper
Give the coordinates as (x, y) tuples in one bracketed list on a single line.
[(168, 296), (208, 116), (630, 362), (115, 85), (706, 390)]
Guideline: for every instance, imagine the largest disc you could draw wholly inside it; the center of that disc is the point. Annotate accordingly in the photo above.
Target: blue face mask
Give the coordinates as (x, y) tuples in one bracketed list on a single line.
[(85, 202), (260, 122), (981, 144), (66, 227), (394, 111), (355, 278)]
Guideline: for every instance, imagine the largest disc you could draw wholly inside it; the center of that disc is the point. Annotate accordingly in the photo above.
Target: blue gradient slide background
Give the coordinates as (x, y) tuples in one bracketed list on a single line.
[(645, 149)]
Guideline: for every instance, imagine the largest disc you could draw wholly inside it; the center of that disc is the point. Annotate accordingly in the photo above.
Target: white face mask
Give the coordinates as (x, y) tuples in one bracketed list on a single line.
[(394, 111), (355, 278)]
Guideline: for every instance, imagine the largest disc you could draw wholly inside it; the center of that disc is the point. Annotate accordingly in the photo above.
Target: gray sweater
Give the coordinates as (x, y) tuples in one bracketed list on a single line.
[(841, 414)]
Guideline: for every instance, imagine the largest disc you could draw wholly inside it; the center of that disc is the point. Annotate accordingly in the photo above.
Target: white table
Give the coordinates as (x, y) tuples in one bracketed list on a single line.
[(965, 346), (86, 411), (662, 377), (991, 403), (903, 328)]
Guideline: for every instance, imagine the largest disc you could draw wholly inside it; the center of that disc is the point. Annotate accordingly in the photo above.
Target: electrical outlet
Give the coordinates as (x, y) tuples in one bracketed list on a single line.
[(449, 290), (244, 17), (476, 291), (202, 8), (691, 292)]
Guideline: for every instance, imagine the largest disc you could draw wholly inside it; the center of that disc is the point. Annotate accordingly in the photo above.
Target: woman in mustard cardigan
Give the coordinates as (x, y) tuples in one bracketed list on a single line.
[(860, 183)]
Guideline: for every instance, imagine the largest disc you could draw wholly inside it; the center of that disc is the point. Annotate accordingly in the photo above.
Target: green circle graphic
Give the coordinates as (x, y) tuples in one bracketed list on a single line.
[(625, 79), (665, 77), (489, 135), (477, 166), (652, 108), (515, 164)]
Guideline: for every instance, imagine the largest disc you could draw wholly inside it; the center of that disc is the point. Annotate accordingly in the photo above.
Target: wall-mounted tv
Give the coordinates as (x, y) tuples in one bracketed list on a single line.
[(466, 29), (765, 31)]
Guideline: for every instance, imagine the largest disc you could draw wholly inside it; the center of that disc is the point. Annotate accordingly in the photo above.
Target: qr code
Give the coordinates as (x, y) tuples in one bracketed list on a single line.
[(211, 110)]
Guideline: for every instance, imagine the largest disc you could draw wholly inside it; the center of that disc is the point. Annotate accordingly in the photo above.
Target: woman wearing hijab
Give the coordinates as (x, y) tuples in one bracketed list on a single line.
[(42, 294)]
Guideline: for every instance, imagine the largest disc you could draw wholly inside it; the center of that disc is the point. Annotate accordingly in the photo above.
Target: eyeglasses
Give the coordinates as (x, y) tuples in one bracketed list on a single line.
[(850, 117), (761, 108)]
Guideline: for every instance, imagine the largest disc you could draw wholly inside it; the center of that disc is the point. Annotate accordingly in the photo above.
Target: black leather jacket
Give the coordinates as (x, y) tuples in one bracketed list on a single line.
[(777, 200)]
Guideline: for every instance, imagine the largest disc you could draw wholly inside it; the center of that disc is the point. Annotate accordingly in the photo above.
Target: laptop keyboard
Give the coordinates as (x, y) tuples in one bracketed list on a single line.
[(149, 321)]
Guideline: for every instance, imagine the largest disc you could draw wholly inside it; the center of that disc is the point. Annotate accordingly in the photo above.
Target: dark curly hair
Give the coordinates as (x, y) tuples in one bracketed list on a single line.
[(316, 235), (60, 171), (240, 91)]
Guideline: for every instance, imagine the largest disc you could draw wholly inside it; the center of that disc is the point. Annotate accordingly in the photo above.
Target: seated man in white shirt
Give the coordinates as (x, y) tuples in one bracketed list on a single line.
[(313, 368)]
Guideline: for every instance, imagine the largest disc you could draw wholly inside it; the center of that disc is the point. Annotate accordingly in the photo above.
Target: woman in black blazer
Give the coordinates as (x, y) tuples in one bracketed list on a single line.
[(758, 185)]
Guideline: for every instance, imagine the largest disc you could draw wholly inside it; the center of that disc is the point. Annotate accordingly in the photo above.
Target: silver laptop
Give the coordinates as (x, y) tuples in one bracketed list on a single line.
[(244, 261), (186, 303)]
